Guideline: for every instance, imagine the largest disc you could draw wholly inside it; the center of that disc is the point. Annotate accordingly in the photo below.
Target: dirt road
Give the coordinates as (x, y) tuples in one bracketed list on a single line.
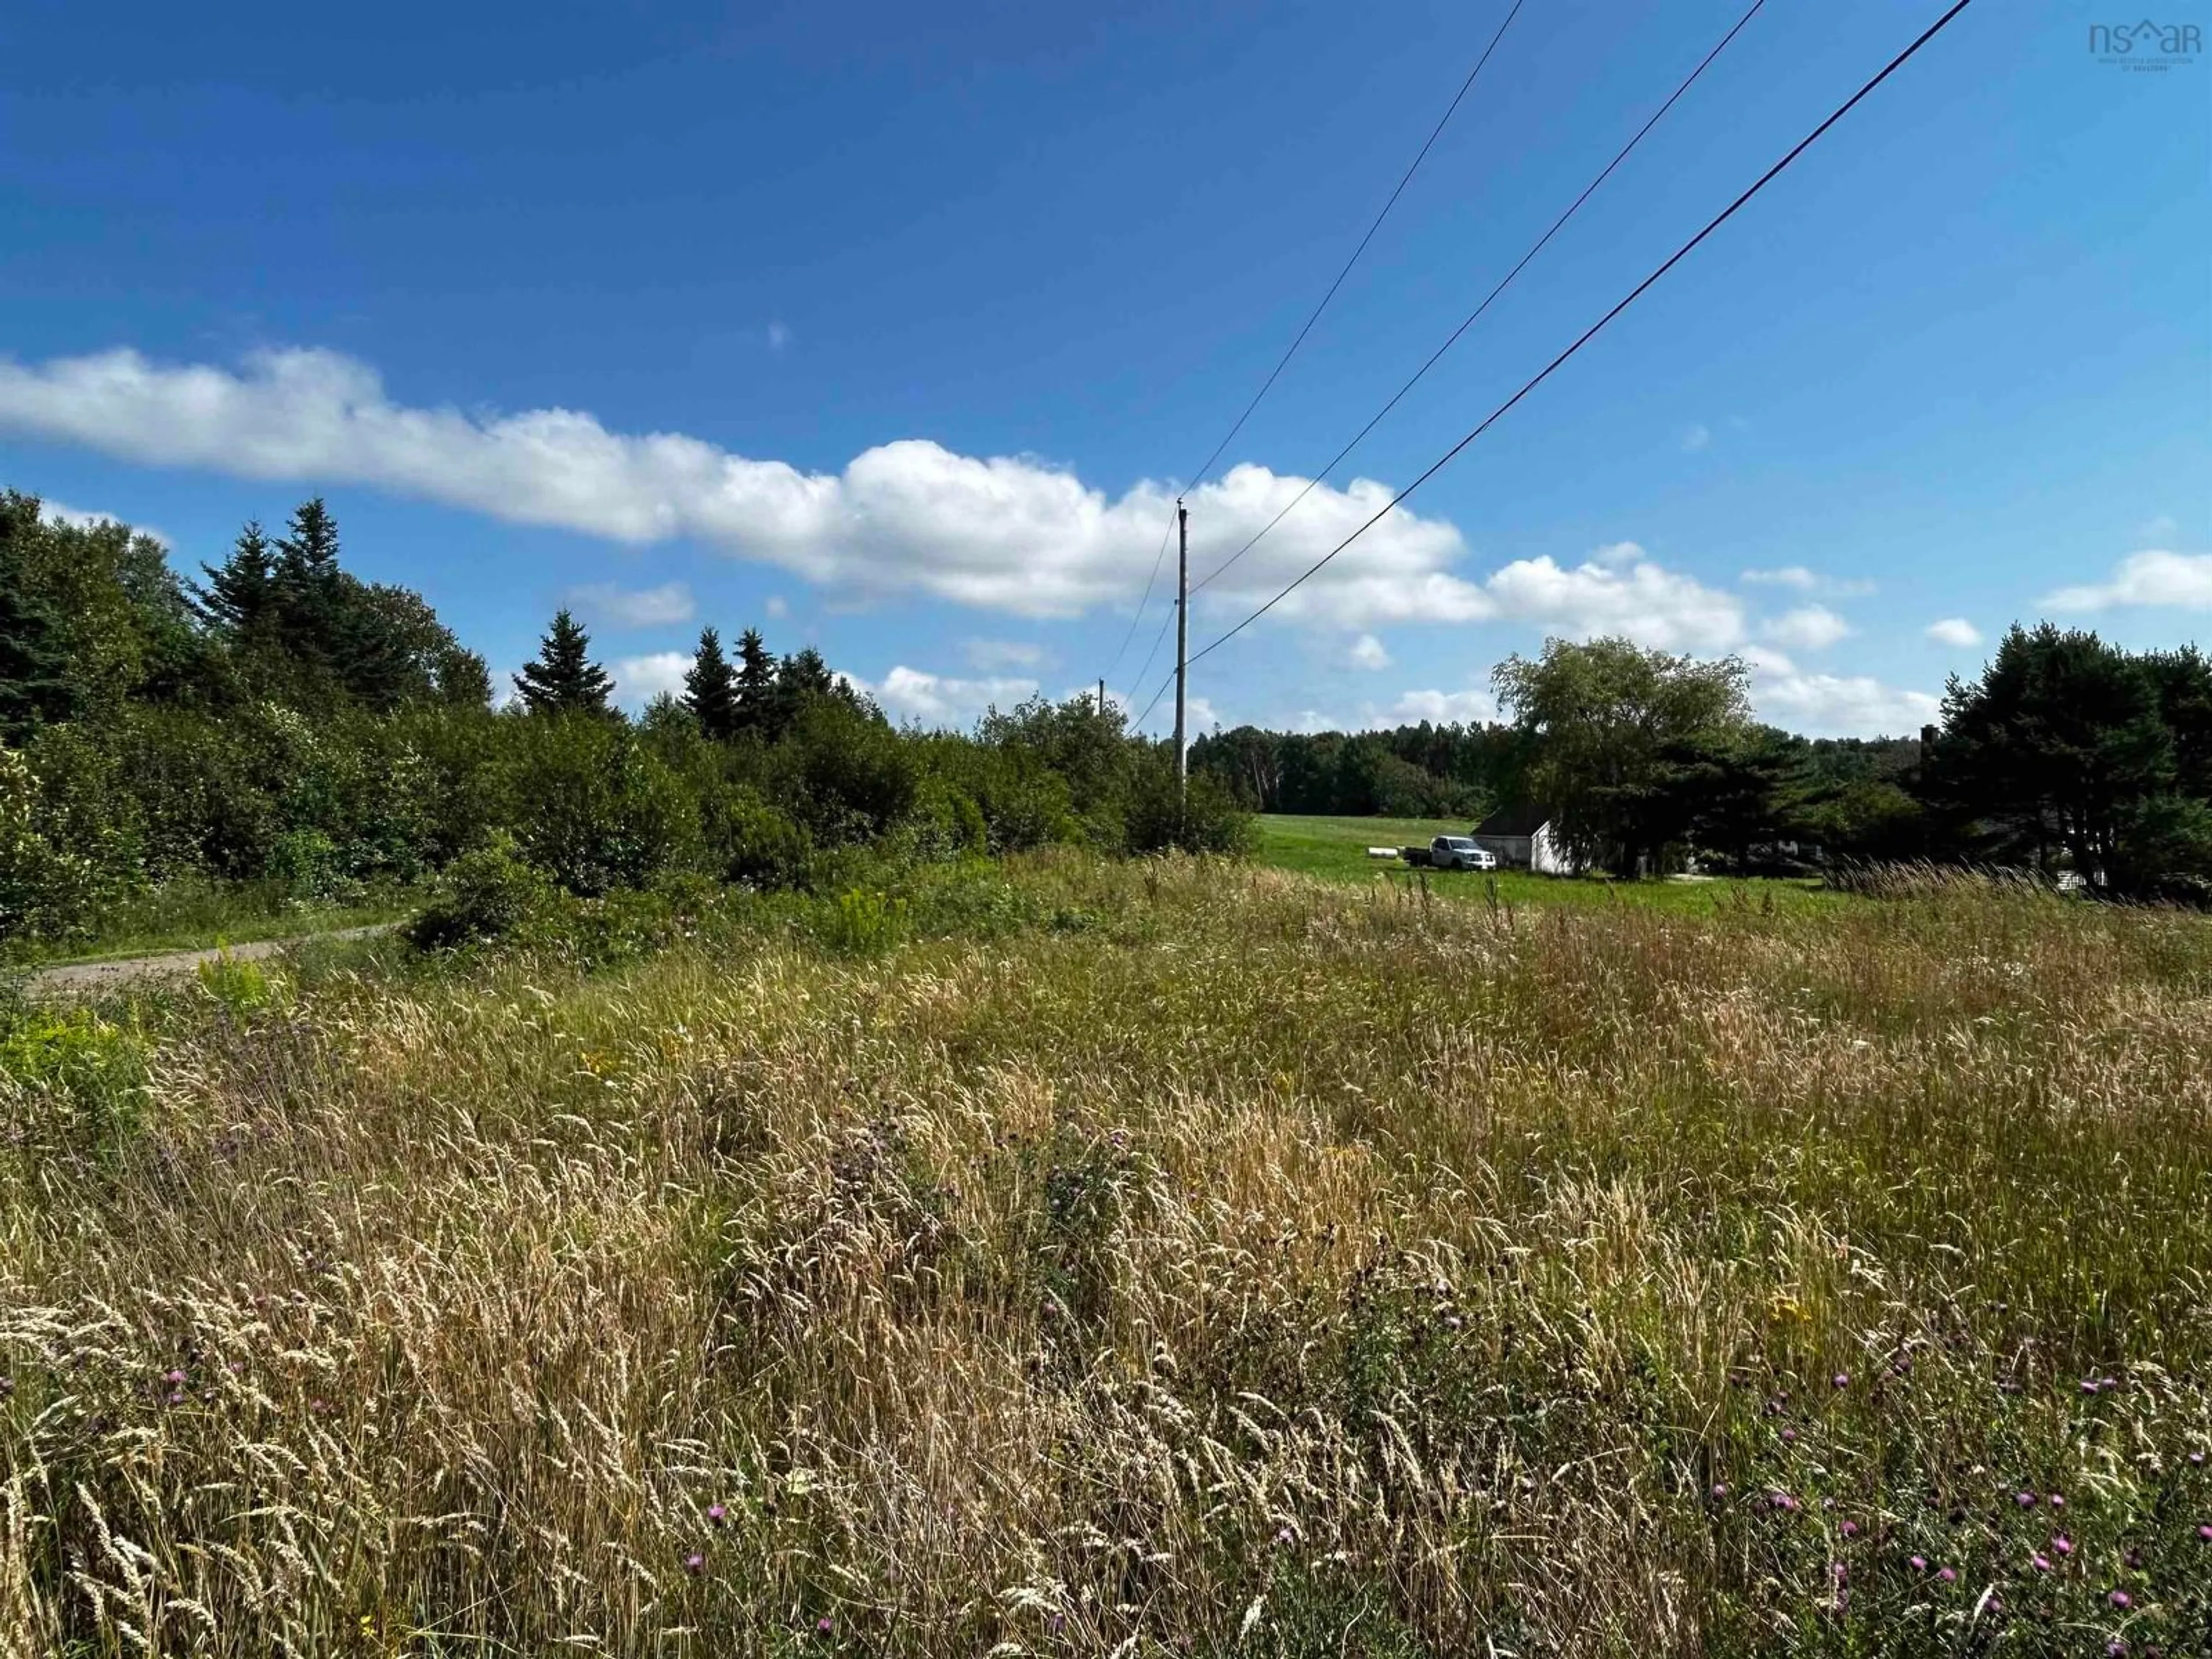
[(73, 980)]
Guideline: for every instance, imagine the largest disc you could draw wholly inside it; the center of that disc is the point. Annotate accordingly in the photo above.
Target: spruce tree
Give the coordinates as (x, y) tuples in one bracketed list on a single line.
[(756, 683), (309, 608), (710, 688), (564, 680), (35, 682), (239, 598)]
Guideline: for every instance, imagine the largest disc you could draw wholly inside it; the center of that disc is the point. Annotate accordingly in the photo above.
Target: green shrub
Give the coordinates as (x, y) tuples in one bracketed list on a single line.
[(1210, 819), (861, 920), (78, 1081), (44, 891), (240, 985), (593, 807), (487, 894), (761, 846)]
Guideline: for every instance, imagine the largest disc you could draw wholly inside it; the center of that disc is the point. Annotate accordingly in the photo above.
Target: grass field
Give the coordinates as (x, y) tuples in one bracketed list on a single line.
[(1133, 1259), (1337, 848)]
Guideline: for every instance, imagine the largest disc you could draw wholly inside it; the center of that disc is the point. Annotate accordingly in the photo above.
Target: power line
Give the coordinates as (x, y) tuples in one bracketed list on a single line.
[(1590, 333), (1199, 476), (1228, 438), (1474, 316)]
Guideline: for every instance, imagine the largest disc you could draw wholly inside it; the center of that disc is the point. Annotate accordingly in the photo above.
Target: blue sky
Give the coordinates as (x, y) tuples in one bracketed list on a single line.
[(893, 329)]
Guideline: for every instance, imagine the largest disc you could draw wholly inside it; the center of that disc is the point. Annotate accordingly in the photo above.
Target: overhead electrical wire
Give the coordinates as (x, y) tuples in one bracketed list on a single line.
[(1407, 177), (1588, 334), (1504, 282), (1199, 476)]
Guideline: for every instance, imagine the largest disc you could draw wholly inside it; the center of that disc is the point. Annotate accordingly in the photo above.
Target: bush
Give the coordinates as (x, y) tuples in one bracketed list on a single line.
[(487, 894), (861, 921), (847, 776), (78, 1081), (761, 846), (43, 889), (591, 806), (1211, 819)]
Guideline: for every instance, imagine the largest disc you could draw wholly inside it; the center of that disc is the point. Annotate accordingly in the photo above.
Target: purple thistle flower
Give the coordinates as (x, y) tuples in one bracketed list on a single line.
[(1720, 1490), (1285, 1535), (173, 1377), (2198, 1458), (2062, 1544), (1920, 1564), (2024, 1499), (1782, 1500), (1838, 1571), (1851, 1528), (176, 1396), (1843, 1379), (2121, 1600), (2058, 1500), (717, 1514), (1948, 1575), (2041, 1562), (1789, 1436), (695, 1564), (2116, 1647), (2088, 1385), (823, 1626), (2205, 1533)]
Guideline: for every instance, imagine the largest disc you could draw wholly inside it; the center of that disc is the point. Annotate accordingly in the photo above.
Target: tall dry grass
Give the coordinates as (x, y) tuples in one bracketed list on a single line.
[(1226, 1264)]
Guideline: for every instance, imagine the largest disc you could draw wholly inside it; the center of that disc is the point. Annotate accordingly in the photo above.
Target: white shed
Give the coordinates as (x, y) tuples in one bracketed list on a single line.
[(1522, 837)]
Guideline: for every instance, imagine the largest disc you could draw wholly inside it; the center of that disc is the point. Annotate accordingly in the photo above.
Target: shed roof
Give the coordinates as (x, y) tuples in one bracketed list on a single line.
[(1524, 820)]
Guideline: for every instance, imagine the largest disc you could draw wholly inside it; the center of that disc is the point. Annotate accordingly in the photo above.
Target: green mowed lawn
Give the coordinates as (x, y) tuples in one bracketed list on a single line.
[(1337, 848)]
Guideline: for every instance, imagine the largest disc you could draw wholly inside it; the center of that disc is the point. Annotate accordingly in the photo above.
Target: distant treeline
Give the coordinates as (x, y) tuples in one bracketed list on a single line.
[(278, 720), (1428, 770), (2067, 755)]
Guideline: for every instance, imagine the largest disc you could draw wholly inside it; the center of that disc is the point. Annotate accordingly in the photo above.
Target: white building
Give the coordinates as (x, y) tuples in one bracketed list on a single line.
[(1522, 839)]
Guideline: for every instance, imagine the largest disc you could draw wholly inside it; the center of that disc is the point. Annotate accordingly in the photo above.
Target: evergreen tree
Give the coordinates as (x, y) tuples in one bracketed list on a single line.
[(35, 683), (2055, 749), (710, 688), (800, 678), (239, 598), (306, 579), (564, 680), (756, 683)]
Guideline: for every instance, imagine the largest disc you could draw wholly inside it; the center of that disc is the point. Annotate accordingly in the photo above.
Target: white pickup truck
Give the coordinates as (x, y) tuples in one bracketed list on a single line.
[(1450, 853)]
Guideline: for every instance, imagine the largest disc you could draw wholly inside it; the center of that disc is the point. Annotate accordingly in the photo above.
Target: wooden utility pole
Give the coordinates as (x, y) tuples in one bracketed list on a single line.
[(1102, 697), (1183, 652)]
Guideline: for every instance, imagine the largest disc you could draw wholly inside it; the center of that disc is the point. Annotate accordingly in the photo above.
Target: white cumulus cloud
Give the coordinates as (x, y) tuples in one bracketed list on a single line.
[(1954, 630), (2181, 581), (1004, 533), (938, 700), (77, 518), (1618, 590), (639, 680), (641, 607), (1442, 708), (909, 516), (1833, 705), (1809, 627), (1368, 651)]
